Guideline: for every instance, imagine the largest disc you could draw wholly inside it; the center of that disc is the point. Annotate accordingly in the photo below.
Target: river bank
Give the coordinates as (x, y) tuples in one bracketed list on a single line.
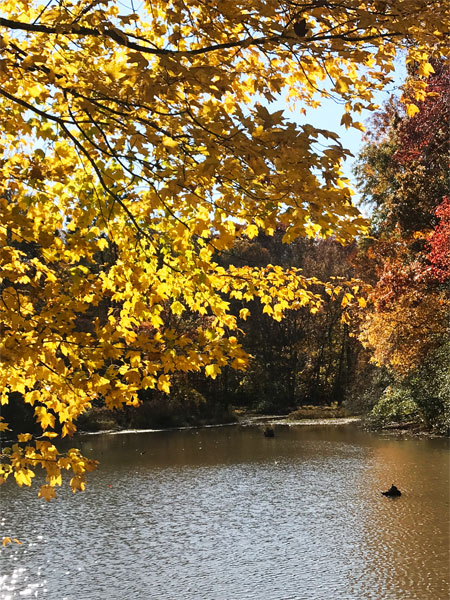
[(146, 417), (102, 420), (263, 421)]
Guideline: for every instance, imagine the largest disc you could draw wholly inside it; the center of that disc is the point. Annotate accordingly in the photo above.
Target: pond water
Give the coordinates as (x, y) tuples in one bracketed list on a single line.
[(226, 514)]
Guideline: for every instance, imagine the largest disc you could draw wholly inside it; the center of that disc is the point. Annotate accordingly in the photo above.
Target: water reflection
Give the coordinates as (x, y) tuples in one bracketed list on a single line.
[(221, 514), (400, 526)]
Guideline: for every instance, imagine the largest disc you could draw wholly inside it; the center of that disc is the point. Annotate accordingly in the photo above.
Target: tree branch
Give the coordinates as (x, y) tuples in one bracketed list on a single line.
[(122, 38)]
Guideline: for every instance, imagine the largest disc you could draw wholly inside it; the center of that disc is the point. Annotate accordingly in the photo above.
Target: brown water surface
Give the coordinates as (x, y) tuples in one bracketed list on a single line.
[(227, 514)]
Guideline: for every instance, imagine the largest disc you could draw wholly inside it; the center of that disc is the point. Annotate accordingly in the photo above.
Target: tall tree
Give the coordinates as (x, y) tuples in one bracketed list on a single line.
[(136, 145), (407, 325)]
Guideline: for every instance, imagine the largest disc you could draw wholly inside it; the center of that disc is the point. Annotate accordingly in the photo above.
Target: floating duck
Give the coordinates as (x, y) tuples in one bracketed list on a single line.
[(392, 492), (269, 432)]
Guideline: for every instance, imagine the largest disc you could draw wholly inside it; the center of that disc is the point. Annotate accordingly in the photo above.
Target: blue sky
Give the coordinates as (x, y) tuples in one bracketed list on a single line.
[(329, 116)]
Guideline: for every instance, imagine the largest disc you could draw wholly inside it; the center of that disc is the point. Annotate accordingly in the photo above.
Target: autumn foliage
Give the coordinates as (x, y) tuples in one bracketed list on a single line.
[(136, 146), (407, 326), (439, 254)]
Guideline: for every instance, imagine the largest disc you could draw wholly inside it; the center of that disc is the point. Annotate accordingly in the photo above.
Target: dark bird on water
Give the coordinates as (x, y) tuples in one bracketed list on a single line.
[(300, 28), (393, 492), (269, 432)]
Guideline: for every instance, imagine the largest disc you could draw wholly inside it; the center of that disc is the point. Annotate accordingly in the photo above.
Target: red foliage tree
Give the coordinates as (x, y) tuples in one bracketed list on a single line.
[(439, 255), (409, 163)]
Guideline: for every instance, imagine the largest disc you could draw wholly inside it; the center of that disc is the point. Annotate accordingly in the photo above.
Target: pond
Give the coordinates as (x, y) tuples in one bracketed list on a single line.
[(224, 513)]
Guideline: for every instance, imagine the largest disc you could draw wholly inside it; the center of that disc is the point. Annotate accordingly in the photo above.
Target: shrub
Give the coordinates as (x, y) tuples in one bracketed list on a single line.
[(395, 405)]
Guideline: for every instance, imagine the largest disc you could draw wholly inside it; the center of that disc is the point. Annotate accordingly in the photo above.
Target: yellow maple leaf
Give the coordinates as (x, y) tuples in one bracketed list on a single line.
[(47, 492), (164, 383), (251, 231), (102, 243), (362, 302), (45, 418), (346, 120), (4, 426), (212, 370), (77, 483), (425, 69), (412, 109), (342, 85), (24, 476), (177, 308)]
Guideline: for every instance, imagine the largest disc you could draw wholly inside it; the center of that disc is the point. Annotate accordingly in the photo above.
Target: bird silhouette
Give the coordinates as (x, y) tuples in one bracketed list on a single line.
[(392, 492), (269, 432)]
